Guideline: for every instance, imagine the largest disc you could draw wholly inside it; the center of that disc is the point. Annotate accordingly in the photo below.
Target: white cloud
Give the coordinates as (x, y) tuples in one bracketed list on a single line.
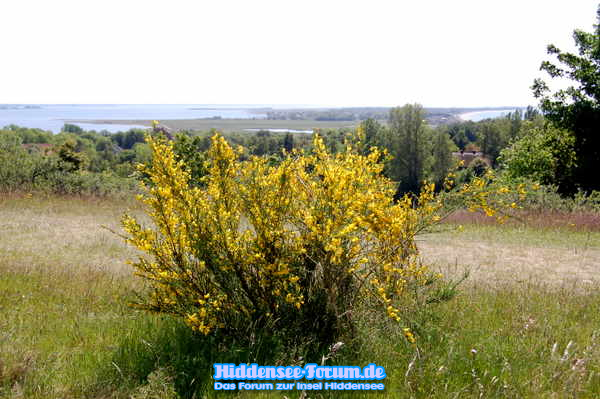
[(381, 52)]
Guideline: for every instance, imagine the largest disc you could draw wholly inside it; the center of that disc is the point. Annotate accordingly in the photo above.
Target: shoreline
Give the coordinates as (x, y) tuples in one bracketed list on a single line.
[(467, 116), (226, 125)]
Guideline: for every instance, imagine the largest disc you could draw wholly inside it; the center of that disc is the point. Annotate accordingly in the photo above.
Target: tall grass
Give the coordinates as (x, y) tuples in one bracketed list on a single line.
[(66, 330)]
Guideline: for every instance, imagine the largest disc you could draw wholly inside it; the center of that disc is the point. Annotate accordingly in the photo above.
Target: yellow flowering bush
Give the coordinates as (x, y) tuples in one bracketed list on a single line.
[(495, 196), (297, 245)]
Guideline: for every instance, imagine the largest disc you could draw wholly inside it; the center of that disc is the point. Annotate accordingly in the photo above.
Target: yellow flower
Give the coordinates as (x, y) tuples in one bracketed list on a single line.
[(409, 335), (256, 238)]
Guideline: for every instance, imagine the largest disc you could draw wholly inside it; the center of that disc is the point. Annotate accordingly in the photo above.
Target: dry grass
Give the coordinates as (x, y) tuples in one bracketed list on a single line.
[(537, 219), (68, 233), (62, 233), (512, 254)]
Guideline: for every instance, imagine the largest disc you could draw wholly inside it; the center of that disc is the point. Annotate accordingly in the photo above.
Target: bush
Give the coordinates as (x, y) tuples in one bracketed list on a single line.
[(31, 170), (88, 184), (18, 168), (293, 248), (548, 199), (545, 155)]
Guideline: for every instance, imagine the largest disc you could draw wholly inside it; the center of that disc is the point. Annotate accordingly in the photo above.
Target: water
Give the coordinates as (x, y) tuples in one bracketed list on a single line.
[(53, 117), (481, 115)]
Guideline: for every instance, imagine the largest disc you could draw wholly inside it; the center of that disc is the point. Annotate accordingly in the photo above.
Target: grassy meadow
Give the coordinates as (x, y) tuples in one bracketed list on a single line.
[(526, 322)]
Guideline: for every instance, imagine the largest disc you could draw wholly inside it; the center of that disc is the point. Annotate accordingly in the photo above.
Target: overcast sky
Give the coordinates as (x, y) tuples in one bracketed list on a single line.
[(376, 52)]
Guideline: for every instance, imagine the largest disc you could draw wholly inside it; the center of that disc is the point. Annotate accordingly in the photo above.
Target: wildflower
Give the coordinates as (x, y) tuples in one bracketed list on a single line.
[(409, 335)]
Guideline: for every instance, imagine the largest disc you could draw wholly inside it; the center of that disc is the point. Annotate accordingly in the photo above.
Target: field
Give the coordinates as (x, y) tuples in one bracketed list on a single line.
[(235, 125), (526, 322)]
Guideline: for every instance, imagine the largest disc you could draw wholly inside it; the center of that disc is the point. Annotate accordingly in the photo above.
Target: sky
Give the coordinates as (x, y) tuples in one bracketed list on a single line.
[(439, 53)]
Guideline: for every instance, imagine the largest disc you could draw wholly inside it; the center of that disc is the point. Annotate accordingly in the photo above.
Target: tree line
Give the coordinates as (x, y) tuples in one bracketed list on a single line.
[(415, 150)]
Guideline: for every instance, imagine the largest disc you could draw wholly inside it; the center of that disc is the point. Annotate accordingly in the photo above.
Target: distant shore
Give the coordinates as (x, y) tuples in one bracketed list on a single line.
[(484, 114), (229, 125), (232, 118), (284, 120)]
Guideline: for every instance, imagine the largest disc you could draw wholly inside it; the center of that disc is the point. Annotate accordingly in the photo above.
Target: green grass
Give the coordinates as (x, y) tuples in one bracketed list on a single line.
[(66, 330), (58, 329)]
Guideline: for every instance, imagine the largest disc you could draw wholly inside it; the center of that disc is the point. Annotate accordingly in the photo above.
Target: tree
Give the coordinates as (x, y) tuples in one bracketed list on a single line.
[(288, 142), (493, 136), (21, 169), (442, 148), (69, 159), (544, 155), (69, 128), (263, 143), (515, 119), (373, 131), (126, 140), (577, 108), (463, 133), (407, 144), (531, 113), (189, 150)]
